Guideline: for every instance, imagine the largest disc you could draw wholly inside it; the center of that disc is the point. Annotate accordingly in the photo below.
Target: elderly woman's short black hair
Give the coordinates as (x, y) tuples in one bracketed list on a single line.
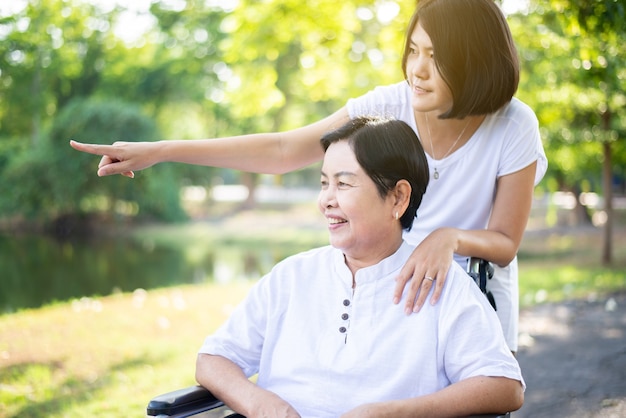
[(388, 150), (473, 50)]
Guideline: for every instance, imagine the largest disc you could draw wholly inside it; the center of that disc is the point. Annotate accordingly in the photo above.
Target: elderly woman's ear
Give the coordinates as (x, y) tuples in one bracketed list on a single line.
[(402, 195)]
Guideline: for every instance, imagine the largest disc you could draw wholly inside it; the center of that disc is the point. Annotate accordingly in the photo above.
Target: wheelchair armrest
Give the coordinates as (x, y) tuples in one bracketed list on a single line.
[(199, 402), (192, 401)]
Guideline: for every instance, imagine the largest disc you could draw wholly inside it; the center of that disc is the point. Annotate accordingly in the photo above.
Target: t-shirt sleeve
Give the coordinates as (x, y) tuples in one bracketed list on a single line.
[(523, 142), (384, 101)]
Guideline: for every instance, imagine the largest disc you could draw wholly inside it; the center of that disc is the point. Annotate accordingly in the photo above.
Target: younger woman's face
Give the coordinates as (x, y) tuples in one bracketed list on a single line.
[(360, 222), (430, 92)]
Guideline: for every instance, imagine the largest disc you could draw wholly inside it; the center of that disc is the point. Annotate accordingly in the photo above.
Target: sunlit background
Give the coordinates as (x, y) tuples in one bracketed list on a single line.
[(107, 284)]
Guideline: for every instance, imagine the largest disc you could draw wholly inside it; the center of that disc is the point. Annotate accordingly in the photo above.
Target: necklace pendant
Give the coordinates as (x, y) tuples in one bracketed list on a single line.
[(436, 174)]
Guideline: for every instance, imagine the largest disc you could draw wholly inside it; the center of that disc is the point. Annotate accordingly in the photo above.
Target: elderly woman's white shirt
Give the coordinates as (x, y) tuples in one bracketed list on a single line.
[(293, 331)]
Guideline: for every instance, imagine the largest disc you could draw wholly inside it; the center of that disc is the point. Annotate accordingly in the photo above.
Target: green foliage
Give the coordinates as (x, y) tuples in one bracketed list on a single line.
[(50, 52), (205, 69), (50, 180), (294, 62), (574, 77), (155, 192), (213, 69)]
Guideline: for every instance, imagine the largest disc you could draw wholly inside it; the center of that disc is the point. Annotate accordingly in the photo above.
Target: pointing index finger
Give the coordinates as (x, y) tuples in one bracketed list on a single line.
[(91, 148)]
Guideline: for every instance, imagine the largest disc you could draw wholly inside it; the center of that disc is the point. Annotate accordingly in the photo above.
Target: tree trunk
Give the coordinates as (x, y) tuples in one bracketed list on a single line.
[(581, 213), (607, 175), (36, 94), (607, 180), (250, 180)]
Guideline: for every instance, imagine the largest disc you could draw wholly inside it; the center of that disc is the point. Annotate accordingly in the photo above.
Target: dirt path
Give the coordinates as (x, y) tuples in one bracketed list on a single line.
[(573, 357)]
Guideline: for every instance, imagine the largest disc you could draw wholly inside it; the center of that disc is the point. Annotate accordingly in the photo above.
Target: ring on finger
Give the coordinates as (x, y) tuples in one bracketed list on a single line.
[(429, 278)]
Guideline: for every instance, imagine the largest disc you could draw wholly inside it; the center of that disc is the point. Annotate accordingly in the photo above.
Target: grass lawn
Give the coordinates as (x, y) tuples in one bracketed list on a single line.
[(557, 265), (107, 357)]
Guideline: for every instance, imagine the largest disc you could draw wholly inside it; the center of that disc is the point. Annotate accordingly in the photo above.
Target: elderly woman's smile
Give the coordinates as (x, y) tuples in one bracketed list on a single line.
[(335, 221)]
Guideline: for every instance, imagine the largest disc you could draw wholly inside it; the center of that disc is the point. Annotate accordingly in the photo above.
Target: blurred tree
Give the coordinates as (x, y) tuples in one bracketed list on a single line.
[(53, 51), (287, 63), (171, 72), (214, 68), (299, 61), (51, 183), (50, 52), (574, 55)]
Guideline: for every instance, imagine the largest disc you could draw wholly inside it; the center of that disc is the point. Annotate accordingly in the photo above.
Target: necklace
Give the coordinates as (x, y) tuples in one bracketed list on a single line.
[(432, 149)]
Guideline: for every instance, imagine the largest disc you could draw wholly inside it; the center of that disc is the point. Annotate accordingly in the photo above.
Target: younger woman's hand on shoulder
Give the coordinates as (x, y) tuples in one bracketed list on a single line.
[(426, 268)]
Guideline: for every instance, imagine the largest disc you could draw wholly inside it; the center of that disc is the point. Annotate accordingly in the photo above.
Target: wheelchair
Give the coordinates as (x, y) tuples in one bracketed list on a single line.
[(198, 402), (481, 271)]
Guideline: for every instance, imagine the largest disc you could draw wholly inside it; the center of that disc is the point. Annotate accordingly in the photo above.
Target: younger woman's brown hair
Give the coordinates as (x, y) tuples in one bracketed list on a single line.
[(473, 51)]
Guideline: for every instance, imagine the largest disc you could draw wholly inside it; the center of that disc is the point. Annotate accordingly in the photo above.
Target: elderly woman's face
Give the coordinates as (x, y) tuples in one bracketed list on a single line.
[(361, 223)]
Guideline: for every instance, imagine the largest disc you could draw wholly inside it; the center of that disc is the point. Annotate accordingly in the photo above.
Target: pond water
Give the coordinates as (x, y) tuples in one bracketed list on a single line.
[(38, 270)]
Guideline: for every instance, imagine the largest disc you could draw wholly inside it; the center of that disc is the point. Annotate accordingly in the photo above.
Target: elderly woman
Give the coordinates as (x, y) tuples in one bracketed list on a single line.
[(319, 329)]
